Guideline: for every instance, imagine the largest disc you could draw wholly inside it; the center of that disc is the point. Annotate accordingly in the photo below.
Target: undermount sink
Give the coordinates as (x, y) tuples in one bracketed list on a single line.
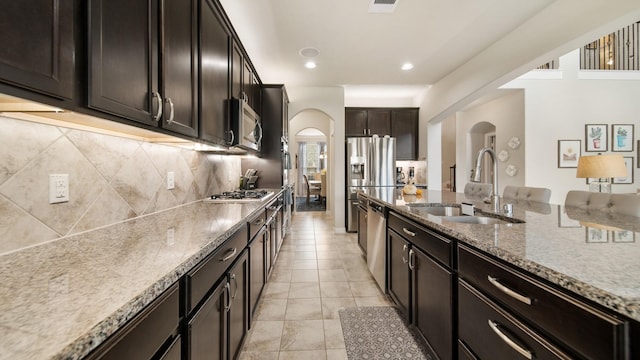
[(437, 210), (482, 220)]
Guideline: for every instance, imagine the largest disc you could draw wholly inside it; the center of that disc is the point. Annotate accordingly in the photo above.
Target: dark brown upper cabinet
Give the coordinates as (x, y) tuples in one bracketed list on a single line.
[(245, 84), (180, 66), (126, 77), (37, 51), (215, 44), (401, 123), (404, 127)]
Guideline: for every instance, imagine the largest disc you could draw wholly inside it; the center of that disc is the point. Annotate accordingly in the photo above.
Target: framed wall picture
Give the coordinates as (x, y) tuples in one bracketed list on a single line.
[(595, 235), (568, 153), (628, 162), (622, 137), (624, 236), (596, 137)]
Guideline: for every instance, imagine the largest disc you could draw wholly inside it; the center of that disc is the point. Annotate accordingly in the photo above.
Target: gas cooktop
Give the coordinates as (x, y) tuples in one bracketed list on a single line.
[(240, 196)]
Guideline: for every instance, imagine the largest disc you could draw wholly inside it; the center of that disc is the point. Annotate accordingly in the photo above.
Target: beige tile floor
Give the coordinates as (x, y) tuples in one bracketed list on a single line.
[(317, 273)]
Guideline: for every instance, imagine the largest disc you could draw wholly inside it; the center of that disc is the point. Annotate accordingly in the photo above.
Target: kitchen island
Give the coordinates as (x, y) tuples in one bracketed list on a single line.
[(585, 259), (62, 299)]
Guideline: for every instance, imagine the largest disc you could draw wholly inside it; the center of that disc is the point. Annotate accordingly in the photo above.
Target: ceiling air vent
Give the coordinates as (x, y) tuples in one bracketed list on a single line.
[(383, 6)]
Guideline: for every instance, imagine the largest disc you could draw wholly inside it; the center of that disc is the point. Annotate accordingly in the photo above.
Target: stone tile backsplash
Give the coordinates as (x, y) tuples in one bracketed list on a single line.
[(111, 179)]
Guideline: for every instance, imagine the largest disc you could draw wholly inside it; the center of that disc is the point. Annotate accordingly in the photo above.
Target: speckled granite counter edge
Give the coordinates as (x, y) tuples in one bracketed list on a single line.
[(84, 345), (620, 305)]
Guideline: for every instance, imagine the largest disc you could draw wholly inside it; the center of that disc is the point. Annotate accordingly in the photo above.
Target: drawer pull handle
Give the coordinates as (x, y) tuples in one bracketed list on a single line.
[(231, 252), (408, 232), (522, 351), (508, 291), (259, 222)]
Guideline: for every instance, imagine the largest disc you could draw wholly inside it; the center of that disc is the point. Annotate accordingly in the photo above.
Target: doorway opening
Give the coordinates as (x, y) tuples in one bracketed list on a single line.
[(311, 162)]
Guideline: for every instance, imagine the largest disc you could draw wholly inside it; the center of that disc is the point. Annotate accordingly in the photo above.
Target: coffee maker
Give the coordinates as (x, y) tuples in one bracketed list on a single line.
[(399, 175)]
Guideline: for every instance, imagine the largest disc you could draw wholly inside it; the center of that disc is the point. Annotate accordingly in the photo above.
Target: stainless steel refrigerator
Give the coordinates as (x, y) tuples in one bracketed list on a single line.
[(370, 163)]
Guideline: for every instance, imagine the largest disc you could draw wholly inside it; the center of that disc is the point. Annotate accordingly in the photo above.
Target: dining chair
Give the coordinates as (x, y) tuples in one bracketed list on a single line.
[(311, 189)]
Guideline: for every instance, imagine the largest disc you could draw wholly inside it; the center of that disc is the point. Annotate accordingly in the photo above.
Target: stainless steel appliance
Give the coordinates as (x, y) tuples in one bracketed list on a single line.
[(371, 163), (399, 175), (247, 131), (376, 243)]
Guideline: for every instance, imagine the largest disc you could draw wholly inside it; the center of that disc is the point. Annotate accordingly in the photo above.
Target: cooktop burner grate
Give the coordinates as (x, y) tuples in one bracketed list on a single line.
[(243, 195)]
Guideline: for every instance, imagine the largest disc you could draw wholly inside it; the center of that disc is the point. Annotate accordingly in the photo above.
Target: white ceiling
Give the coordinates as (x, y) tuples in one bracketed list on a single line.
[(361, 48), (461, 49)]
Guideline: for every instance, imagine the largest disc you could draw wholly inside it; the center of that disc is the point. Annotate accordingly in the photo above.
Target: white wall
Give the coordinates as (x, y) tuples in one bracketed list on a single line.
[(559, 109), (329, 100), (506, 113)]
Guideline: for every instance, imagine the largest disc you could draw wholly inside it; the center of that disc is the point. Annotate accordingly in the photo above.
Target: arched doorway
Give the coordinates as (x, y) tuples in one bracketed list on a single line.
[(312, 151)]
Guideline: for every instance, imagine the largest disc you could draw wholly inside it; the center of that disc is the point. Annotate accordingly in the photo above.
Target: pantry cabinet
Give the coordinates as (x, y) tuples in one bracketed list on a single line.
[(37, 51)]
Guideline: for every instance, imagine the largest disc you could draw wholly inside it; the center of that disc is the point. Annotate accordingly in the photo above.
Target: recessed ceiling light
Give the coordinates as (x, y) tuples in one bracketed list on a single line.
[(407, 66), (310, 65), (309, 52)]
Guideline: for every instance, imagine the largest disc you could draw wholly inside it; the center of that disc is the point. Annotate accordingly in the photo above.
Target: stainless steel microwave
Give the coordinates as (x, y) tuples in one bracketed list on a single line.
[(245, 123)]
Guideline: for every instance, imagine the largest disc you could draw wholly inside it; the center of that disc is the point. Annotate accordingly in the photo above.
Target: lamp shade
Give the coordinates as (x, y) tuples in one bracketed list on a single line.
[(601, 166)]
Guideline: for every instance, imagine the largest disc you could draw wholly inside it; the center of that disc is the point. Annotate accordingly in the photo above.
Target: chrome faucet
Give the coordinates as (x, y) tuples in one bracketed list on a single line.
[(476, 175)]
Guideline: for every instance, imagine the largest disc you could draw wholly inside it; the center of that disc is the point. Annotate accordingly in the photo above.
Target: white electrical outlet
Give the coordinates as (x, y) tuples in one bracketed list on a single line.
[(171, 180), (171, 236), (58, 188)]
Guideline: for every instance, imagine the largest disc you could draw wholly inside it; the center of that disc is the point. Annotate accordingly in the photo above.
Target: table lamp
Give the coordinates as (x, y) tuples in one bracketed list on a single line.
[(602, 168)]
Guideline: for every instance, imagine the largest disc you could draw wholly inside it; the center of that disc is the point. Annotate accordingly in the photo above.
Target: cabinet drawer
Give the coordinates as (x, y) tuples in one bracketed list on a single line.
[(256, 223), (590, 332), (146, 334), (202, 278), (491, 333), (437, 246)]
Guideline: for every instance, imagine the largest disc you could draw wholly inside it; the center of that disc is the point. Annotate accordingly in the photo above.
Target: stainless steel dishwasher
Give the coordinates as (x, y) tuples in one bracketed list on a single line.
[(377, 243)]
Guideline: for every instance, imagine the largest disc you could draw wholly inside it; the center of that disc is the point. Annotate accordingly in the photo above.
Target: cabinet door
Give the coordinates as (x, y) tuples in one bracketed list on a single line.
[(123, 58), (237, 68), (404, 127), (207, 328), (256, 277), (398, 276), (180, 66), (247, 83), (355, 122), (432, 301), (238, 305), (362, 229), (379, 122), (214, 72), (37, 49)]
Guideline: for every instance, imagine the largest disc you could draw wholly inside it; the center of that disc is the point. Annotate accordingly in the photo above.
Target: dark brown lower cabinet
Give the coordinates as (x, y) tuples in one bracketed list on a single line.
[(150, 334), (433, 302), (217, 329), (420, 286), (207, 328), (362, 228), (398, 276), (489, 332), (256, 275), (238, 279)]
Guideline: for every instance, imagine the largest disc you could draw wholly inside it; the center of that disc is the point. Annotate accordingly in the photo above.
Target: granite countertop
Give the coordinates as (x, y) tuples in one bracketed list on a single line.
[(61, 299), (593, 255)]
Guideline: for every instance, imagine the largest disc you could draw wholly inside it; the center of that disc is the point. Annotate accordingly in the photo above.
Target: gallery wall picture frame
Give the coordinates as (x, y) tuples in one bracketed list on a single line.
[(628, 162), (569, 152), (624, 236), (622, 137), (595, 235), (596, 137)]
